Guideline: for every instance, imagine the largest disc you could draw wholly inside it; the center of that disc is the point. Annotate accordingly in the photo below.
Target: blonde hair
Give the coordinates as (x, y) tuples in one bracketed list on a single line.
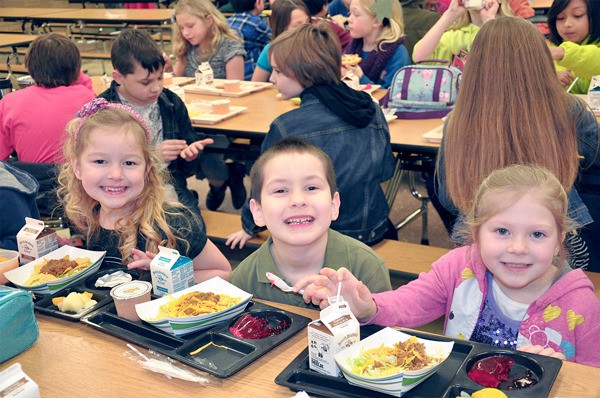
[(392, 29), (149, 215), (504, 187), (510, 109), (201, 9), (503, 11)]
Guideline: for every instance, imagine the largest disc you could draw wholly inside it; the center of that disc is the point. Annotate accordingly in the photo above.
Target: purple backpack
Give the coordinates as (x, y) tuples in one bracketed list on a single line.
[(424, 91)]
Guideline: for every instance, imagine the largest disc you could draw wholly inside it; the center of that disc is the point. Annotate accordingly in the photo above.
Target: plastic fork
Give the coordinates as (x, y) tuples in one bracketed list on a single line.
[(280, 283)]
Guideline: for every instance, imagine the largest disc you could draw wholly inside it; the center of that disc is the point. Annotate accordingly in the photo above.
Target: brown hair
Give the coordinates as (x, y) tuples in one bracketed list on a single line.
[(503, 187), (310, 54), (281, 14), (53, 60), (285, 146), (149, 214), (510, 109)]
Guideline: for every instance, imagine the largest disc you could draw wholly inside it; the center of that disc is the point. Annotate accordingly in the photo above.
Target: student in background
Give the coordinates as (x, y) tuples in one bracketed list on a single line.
[(377, 31), (511, 287), (138, 82), (417, 22), (318, 13), (201, 34), (339, 7), (453, 34), (252, 29), (112, 185), (33, 120), (575, 37), (529, 121), (18, 191), (294, 194), (285, 14), (345, 123)]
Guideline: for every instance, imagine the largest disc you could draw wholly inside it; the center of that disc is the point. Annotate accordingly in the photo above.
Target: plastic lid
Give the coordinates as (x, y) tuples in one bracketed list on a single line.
[(128, 290)]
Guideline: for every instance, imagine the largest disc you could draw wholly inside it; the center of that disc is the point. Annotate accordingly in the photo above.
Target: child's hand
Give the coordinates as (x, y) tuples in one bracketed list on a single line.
[(191, 152), (356, 294), (565, 77), (357, 70), (538, 349), (489, 10), (169, 150), (457, 8), (237, 238), (141, 259)]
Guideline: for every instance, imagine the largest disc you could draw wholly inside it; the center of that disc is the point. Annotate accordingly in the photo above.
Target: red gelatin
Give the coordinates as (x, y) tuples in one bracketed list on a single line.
[(489, 372), (253, 328)]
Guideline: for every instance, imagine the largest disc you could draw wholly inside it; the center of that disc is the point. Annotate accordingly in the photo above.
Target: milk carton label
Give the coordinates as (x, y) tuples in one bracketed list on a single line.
[(171, 272), (35, 240), (14, 383), (204, 74), (336, 330), (594, 93)]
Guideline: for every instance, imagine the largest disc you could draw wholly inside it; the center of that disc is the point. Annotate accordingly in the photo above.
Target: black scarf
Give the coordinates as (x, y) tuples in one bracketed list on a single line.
[(354, 107), (375, 63)]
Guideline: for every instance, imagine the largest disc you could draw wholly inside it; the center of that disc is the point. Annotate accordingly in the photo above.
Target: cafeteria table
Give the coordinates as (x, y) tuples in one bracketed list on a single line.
[(73, 360)]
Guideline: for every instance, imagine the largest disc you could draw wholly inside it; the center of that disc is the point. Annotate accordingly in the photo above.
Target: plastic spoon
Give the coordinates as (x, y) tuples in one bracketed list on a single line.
[(280, 283)]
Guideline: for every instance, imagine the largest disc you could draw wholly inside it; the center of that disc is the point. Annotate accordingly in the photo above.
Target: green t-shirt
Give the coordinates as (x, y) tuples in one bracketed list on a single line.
[(342, 251)]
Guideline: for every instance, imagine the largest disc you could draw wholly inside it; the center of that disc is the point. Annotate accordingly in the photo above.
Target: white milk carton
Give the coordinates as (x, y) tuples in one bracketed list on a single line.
[(35, 240), (594, 93), (171, 272), (204, 75), (14, 383), (351, 80), (337, 329)]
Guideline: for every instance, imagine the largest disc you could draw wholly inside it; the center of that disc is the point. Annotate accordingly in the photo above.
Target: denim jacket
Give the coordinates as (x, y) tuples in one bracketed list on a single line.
[(587, 142), (362, 159)]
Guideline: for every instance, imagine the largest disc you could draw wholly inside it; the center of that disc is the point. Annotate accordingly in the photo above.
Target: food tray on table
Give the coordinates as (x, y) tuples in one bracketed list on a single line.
[(198, 116), (447, 382), (43, 303), (217, 88), (223, 354)]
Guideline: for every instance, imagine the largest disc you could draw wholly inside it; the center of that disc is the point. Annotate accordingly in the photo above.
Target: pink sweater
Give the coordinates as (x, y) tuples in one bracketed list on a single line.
[(33, 120)]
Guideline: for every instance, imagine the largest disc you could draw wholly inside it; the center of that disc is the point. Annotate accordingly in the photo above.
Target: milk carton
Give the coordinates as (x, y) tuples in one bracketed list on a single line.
[(35, 240), (14, 383), (336, 330), (171, 272), (351, 80), (204, 75), (594, 93)]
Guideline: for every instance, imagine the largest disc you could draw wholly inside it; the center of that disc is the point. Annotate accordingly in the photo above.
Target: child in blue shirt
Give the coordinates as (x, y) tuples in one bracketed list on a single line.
[(252, 28)]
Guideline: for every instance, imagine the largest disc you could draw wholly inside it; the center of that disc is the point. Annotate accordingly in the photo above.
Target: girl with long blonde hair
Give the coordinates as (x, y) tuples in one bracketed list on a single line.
[(112, 188), (201, 34), (377, 30)]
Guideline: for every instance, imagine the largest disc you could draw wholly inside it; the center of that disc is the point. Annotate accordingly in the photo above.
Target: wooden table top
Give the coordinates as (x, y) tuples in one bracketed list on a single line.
[(15, 39), (264, 106), (72, 359), (112, 15), (18, 13)]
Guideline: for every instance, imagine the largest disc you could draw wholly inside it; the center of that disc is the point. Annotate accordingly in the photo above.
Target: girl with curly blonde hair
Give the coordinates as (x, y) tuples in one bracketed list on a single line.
[(112, 187)]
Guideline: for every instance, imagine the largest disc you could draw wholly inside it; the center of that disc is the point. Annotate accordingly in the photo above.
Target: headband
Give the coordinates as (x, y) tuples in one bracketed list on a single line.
[(382, 9), (97, 104)]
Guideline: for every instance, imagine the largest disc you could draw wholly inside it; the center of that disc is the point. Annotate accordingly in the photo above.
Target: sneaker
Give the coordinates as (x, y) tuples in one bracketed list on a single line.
[(236, 184), (215, 196)]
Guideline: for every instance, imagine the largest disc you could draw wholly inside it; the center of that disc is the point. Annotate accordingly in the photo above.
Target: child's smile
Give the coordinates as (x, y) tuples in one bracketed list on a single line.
[(112, 170), (296, 202)]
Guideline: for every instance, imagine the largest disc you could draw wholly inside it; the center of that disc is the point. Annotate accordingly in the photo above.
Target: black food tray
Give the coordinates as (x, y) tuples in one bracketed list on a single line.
[(234, 354), (43, 303), (448, 381)]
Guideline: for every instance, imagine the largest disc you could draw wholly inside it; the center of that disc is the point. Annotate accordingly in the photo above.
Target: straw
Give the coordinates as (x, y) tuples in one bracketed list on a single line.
[(339, 291), (572, 84)]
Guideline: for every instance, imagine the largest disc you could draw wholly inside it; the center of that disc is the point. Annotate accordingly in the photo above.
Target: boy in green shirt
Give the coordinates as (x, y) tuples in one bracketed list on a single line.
[(295, 196)]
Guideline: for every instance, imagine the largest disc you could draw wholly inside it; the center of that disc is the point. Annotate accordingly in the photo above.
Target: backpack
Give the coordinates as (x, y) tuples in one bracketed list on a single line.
[(423, 91)]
